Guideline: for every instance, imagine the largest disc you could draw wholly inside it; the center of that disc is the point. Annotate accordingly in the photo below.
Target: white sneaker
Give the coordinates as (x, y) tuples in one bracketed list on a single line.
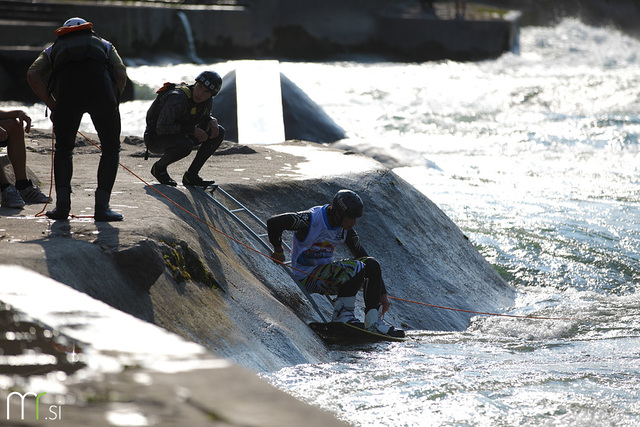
[(343, 310), (374, 322), (11, 198), (32, 194)]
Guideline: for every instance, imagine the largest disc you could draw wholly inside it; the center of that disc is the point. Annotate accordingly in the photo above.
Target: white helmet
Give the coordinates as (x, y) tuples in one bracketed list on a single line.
[(72, 22)]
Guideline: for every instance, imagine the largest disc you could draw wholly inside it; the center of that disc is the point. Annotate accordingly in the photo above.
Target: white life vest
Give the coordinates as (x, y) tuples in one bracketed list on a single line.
[(318, 246)]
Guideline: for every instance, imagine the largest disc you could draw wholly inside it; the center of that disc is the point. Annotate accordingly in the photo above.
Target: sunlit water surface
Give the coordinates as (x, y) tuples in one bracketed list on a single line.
[(535, 156)]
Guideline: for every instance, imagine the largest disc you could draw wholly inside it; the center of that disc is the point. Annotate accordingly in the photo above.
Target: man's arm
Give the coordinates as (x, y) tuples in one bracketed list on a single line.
[(298, 222), (119, 67), (25, 120), (121, 79), (353, 243), (36, 77)]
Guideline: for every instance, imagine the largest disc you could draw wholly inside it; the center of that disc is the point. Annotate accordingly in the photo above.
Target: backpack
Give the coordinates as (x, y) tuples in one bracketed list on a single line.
[(166, 88)]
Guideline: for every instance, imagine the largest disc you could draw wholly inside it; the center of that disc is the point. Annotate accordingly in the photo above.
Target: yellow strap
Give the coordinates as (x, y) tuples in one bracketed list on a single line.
[(186, 90)]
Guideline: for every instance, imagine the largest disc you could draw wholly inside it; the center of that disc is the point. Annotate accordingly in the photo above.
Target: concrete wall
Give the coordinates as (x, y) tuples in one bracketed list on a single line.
[(281, 29), (143, 30)]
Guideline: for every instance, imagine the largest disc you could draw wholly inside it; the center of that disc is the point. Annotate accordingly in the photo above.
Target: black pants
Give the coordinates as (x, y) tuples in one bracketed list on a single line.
[(177, 147), (374, 286), (86, 87)]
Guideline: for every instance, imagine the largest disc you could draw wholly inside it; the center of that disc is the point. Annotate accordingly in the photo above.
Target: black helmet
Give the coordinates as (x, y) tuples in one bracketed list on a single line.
[(211, 80), (348, 203)]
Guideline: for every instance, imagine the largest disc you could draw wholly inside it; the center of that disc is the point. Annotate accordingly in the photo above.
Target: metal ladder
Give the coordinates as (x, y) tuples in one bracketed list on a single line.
[(261, 239)]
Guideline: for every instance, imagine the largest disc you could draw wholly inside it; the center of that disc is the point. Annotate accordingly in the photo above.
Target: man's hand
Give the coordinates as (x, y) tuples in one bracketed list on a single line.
[(384, 300), (210, 132), (212, 128), (25, 121), (200, 135)]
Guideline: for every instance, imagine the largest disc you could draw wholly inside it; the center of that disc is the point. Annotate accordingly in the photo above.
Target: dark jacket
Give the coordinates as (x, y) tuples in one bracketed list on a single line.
[(174, 112)]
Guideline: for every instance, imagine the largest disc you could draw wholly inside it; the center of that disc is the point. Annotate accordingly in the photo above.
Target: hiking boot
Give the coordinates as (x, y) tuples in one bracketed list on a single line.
[(193, 179), (374, 322), (11, 198), (104, 213), (32, 194), (63, 204), (161, 174), (343, 311), (58, 213)]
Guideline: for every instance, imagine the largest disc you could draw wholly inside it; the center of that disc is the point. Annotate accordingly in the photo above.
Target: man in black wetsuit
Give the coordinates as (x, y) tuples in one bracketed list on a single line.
[(81, 73), (179, 120), (317, 233)]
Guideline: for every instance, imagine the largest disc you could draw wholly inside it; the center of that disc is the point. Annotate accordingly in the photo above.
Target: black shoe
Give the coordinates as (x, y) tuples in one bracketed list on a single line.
[(193, 179), (58, 214), (161, 174), (104, 213)]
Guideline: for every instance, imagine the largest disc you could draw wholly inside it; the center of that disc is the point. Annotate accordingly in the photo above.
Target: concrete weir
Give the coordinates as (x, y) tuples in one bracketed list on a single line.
[(172, 263), (281, 29)]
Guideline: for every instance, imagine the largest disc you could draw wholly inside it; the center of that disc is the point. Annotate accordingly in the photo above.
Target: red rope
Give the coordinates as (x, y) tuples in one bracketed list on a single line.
[(50, 178)]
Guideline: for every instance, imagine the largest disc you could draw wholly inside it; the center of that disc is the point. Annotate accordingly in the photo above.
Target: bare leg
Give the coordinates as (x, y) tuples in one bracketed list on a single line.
[(16, 147)]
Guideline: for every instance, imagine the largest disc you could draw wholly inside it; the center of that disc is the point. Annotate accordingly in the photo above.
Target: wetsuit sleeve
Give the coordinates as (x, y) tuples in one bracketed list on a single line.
[(353, 243), (115, 58), (170, 114), (298, 222)]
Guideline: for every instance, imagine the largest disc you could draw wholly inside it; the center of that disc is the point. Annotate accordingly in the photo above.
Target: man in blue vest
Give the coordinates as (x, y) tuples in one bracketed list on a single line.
[(81, 73), (317, 232), (179, 120)]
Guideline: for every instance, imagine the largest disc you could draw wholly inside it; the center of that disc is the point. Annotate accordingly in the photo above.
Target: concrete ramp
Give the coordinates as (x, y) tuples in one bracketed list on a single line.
[(259, 99)]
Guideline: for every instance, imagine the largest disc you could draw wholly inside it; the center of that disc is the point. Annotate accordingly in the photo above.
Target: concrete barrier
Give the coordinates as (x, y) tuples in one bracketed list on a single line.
[(310, 30)]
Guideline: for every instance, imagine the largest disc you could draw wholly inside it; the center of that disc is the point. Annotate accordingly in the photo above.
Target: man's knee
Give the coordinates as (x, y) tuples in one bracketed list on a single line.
[(110, 147), (14, 130), (220, 136), (372, 267), (64, 146), (353, 285), (110, 152), (215, 142)]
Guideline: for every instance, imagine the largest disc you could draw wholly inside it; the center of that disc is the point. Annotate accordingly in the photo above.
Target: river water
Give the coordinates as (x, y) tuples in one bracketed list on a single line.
[(535, 156)]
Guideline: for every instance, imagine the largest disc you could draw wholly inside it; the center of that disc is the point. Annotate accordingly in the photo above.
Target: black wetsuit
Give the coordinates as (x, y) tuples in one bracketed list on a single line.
[(84, 82)]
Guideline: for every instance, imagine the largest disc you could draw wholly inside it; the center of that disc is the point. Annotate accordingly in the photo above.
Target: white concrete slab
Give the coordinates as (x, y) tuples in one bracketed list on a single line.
[(107, 331), (259, 98)]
